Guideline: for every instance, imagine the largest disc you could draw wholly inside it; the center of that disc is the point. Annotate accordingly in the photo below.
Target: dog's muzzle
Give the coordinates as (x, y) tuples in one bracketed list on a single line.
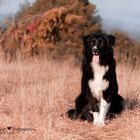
[(95, 50)]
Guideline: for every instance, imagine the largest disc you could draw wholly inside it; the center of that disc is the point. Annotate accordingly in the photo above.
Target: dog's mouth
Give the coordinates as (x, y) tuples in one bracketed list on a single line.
[(95, 53), (95, 58)]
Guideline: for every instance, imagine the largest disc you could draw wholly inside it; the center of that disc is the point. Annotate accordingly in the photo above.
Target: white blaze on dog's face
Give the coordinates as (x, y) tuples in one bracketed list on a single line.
[(95, 58), (98, 46)]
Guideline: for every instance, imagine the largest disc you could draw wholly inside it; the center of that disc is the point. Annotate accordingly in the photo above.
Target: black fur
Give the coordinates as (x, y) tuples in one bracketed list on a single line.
[(85, 102)]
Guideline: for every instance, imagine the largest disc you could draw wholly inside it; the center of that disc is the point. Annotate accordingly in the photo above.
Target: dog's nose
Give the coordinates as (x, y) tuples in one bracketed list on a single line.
[(95, 49)]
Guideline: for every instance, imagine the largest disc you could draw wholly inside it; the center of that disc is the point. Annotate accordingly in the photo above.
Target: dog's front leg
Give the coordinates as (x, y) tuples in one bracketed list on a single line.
[(104, 107)]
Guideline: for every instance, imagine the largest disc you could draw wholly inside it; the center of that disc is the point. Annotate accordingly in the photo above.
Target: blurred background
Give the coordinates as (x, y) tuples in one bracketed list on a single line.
[(44, 27), (121, 15)]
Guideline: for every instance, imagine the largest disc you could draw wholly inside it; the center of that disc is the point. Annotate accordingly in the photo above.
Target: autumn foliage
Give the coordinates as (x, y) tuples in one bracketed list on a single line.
[(57, 28)]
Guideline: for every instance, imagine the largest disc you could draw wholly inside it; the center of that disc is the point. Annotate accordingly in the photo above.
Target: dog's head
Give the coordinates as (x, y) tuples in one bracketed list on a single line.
[(98, 47)]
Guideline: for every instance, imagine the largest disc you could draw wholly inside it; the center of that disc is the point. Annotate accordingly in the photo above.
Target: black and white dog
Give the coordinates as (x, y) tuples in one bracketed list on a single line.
[(99, 89)]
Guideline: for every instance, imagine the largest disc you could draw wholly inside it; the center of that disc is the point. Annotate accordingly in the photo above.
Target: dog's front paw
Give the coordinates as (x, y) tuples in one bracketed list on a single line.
[(100, 123), (72, 114)]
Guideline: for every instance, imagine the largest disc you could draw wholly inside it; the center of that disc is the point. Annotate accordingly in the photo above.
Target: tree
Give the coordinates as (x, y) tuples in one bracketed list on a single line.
[(77, 7), (58, 22)]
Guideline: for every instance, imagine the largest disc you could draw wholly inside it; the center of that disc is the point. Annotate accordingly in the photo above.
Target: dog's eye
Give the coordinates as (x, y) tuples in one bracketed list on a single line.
[(93, 42), (101, 43)]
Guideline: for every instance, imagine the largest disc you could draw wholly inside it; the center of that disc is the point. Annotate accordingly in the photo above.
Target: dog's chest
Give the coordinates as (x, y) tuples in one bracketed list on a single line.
[(98, 84)]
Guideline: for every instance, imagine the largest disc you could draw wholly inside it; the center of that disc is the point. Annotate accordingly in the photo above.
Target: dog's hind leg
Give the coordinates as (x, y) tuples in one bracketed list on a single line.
[(80, 104), (72, 114), (117, 105)]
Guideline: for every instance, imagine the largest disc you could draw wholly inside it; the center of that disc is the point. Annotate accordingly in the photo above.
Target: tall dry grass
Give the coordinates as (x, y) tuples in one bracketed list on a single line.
[(37, 93)]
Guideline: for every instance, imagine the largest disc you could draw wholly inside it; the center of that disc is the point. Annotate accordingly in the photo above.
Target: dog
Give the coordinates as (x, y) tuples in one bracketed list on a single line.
[(99, 88)]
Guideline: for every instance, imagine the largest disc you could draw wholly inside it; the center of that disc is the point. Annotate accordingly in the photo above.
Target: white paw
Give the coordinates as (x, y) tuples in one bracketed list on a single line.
[(100, 124), (86, 121), (95, 117), (95, 123)]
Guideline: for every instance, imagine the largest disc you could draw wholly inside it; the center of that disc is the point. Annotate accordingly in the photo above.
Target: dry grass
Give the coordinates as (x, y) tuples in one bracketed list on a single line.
[(36, 94)]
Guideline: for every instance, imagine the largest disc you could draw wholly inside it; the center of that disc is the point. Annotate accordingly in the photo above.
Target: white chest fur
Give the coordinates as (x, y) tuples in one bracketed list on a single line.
[(98, 84)]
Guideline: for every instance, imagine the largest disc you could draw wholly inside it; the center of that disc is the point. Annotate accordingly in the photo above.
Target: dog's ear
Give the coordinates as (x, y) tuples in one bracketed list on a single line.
[(85, 39), (111, 40)]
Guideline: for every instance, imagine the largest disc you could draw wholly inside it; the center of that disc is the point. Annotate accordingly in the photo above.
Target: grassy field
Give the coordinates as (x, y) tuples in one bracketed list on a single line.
[(35, 95)]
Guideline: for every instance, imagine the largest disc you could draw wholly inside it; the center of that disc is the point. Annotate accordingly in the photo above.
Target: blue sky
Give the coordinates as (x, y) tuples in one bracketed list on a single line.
[(120, 14), (11, 6), (126, 10)]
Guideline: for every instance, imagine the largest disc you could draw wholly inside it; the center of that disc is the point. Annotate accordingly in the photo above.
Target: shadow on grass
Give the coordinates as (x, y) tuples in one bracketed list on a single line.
[(131, 103)]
